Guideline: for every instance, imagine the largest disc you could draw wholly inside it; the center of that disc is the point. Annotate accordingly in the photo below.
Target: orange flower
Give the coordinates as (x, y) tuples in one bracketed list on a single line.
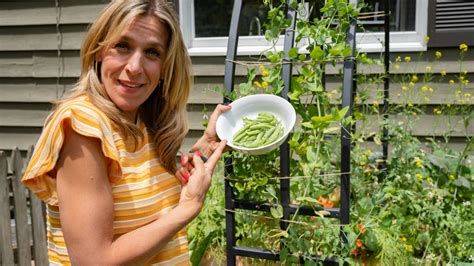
[(326, 202), (359, 243), (362, 230), (354, 252)]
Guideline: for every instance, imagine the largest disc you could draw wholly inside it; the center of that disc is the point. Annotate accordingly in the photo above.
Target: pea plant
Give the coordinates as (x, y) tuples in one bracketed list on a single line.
[(414, 207)]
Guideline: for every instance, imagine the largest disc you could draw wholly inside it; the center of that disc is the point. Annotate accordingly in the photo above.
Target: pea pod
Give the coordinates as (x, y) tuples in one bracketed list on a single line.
[(259, 131)]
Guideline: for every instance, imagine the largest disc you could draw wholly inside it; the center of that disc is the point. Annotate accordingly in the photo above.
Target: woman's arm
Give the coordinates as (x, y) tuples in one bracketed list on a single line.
[(86, 207)]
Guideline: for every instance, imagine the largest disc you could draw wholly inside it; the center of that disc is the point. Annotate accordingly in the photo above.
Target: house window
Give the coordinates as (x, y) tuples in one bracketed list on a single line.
[(206, 24)]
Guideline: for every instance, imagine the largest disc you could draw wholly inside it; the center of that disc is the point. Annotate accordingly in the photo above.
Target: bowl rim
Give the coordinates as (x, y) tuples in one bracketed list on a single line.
[(279, 140)]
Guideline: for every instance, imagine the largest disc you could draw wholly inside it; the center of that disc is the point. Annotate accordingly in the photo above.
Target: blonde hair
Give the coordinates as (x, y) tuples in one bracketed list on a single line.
[(164, 112)]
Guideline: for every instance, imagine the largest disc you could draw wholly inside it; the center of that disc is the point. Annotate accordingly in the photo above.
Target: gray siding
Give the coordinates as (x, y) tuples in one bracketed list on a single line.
[(38, 64)]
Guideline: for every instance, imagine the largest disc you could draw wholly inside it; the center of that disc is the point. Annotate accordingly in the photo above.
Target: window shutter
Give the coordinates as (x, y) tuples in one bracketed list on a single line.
[(450, 22)]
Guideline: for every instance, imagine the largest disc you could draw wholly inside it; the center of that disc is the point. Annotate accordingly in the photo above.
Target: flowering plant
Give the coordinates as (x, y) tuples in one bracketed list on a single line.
[(413, 207)]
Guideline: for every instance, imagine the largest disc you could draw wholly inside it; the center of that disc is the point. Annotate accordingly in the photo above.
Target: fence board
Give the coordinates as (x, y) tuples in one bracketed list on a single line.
[(6, 253), (38, 226), (21, 211)]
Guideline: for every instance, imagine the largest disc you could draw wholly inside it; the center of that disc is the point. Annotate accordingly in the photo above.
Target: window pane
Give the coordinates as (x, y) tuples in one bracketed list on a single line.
[(212, 17), (402, 15)]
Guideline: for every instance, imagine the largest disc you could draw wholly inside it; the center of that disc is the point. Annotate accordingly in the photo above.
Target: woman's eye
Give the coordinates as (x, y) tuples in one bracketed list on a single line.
[(122, 46), (153, 52)]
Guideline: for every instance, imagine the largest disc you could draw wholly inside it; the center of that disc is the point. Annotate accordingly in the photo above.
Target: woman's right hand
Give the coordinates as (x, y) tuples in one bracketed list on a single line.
[(194, 191)]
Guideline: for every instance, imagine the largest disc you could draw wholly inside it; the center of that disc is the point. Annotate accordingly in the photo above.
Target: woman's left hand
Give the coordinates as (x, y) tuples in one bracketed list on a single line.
[(209, 140), (195, 189)]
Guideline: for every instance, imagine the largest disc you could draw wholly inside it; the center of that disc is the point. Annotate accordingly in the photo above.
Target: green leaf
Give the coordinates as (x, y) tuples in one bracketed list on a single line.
[(341, 113), (307, 124), (293, 53), (277, 212), (334, 51), (463, 182), (346, 52), (200, 249), (283, 254), (307, 199), (317, 53), (312, 154), (325, 118)]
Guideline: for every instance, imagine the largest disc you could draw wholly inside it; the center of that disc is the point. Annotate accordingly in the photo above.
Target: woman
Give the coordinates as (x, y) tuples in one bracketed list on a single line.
[(105, 162)]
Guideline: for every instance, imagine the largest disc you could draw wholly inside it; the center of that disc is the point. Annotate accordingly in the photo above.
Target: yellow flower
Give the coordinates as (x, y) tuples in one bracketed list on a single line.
[(414, 78), (465, 82), (427, 99), (362, 163), (428, 68), (451, 82), (430, 89), (418, 162), (329, 95), (408, 248), (407, 59), (424, 88), (427, 38), (413, 113), (419, 176), (397, 67), (262, 68), (429, 179), (438, 54), (376, 104), (334, 91), (398, 94), (410, 105), (443, 73), (398, 59), (464, 72), (264, 73), (404, 88), (463, 47), (264, 84), (256, 83), (437, 111), (467, 94), (411, 84), (452, 177), (448, 105), (356, 99), (369, 152), (461, 77)]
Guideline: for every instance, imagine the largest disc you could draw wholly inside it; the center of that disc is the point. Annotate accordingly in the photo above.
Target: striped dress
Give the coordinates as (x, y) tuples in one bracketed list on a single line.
[(142, 189)]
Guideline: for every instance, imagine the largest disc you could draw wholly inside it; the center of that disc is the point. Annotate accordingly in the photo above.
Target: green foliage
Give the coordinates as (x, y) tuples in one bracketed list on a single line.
[(416, 207)]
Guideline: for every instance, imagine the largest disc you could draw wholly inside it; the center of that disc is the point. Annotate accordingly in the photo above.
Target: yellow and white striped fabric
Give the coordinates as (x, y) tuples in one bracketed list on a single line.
[(142, 189)]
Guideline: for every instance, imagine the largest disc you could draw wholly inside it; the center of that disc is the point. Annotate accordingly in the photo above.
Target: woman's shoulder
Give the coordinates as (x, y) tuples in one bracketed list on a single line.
[(80, 109)]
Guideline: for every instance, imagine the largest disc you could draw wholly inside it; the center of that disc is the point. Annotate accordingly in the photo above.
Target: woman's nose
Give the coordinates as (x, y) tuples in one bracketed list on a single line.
[(135, 63)]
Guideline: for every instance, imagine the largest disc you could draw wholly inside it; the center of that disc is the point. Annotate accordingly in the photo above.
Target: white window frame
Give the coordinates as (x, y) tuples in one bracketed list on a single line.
[(404, 41)]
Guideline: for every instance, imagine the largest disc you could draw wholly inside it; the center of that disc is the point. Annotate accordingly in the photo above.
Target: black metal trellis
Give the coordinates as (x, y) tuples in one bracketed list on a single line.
[(231, 204)]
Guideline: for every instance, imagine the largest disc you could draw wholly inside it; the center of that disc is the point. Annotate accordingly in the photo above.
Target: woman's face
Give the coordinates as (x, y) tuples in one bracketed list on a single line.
[(131, 66)]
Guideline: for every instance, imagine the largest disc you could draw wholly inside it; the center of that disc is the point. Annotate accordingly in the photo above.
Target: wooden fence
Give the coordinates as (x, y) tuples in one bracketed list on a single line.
[(22, 219)]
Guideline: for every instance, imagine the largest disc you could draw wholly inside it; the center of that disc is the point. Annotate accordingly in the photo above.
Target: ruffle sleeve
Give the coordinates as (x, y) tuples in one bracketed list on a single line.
[(85, 119)]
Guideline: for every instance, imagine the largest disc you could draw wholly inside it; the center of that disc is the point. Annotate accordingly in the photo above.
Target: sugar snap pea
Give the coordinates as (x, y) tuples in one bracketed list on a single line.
[(259, 131)]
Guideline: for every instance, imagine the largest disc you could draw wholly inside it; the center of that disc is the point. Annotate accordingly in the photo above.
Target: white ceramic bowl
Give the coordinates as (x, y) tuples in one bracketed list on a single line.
[(230, 122)]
